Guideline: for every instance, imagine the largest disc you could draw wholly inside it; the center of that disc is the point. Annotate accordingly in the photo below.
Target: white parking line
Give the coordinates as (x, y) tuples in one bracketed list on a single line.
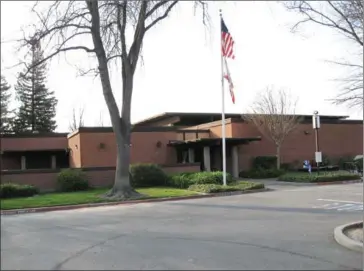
[(343, 201), (347, 207), (340, 205)]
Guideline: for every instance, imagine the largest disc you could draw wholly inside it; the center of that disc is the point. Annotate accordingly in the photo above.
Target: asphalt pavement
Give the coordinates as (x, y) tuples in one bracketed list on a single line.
[(288, 228)]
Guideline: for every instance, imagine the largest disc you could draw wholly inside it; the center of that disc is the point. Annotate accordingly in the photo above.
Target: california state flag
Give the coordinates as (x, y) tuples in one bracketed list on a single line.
[(227, 76)]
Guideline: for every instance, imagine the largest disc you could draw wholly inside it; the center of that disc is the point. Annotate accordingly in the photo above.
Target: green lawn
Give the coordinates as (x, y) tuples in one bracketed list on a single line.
[(84, 197)]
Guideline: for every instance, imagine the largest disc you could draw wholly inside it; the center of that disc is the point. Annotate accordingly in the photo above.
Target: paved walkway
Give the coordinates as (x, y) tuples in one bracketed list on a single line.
[(286, 229)]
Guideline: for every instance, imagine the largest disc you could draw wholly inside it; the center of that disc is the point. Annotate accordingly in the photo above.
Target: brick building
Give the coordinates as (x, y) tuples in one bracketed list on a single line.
[(176, 141)]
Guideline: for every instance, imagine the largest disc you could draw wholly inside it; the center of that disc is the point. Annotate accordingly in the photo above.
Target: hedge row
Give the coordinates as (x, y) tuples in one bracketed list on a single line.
[(321, 177), (264, 167), (261, 173), (141, 175), (217, 188), (185, 180), (11, 190)]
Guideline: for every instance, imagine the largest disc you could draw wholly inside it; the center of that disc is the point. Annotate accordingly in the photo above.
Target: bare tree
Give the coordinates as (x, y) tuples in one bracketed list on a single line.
[(77, 120), (273, 114), (345, 17), (100, 121), (68, 25)]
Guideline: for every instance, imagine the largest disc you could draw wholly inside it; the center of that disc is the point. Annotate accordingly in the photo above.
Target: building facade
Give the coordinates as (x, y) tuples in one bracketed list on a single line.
[(176, 141)]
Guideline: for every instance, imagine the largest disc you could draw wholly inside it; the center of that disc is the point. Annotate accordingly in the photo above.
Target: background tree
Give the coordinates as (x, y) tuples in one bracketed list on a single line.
[(345, 17), (37, 103), (77, 119), (100, 121), (6, 114), (273, 114), (68, 26)]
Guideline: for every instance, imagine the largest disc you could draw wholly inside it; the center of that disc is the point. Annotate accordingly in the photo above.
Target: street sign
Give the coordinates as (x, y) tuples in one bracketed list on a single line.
[(316, 122), (318, 157)]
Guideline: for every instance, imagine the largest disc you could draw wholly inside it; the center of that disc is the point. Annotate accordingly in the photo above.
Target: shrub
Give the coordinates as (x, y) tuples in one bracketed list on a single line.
[(321, 177), (326, 160), (264, 162), (215, 177), (180, 181), (216, 188), (72, 180), (287, 166), (261, 173), (11, 190), (147, 175), (184, 180), (359, 164)]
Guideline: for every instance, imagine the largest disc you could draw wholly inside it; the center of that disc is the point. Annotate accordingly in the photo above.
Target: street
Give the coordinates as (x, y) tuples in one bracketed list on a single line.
[(288, 228)]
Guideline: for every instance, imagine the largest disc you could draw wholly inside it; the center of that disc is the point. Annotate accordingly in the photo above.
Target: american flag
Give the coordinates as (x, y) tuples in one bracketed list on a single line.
[(227, 43)]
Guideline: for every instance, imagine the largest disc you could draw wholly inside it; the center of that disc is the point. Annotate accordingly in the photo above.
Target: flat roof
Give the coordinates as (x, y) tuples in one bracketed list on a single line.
[(166, 115), (29, 134), (214, 141)]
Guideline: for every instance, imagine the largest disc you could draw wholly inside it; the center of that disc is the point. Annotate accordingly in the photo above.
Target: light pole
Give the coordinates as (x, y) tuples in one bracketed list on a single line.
[(316, 127)]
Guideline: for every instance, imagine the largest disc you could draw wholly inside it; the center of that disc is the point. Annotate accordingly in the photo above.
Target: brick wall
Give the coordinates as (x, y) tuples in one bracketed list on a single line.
[(335, 140), (46, 180)]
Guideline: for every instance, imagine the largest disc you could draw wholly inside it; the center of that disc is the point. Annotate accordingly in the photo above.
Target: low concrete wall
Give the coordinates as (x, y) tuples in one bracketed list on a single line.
[(178, 168), (46, 180)]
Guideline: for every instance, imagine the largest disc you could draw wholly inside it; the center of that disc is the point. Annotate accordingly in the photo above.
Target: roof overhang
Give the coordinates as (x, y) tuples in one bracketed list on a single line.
[(40, 150), (212, 141)]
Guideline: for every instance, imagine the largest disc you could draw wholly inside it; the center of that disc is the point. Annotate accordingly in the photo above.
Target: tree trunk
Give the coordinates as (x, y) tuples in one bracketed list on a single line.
[(121, 126), (122, 186), (278, 156)]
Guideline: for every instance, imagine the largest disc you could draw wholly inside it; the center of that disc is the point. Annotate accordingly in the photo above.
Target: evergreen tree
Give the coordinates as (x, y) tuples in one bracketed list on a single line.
[(37, 109), (5, 113)]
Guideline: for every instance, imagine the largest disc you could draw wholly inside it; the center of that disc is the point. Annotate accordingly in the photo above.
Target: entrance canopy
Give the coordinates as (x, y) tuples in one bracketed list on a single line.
[(202, 142)]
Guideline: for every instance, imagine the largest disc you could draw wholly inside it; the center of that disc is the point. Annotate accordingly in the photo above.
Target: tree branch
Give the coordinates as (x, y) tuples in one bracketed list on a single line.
[(138, 37), (155, 7), (352, 32), (161, 17), (45, 59)]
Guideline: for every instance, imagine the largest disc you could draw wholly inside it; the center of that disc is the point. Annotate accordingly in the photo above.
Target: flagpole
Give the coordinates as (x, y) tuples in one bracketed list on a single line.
[(223, 136)]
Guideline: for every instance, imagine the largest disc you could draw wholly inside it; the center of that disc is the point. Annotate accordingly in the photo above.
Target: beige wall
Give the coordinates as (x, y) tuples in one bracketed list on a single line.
[(74, 144), (215, 128)]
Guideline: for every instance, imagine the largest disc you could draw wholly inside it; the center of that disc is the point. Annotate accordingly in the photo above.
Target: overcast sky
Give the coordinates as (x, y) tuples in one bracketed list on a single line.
[(181, 68)]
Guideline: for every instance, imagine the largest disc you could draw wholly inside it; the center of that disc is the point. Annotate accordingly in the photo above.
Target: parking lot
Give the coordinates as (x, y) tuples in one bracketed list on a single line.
[(288, 228)]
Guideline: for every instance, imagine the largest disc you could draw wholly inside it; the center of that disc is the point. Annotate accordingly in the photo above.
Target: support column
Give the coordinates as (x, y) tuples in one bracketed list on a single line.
[(191, 155), (206, 158), (53, 162), (23, 163), (235, 161)]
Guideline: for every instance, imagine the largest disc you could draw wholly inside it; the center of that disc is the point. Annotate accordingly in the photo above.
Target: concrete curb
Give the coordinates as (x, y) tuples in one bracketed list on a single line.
[(323, 183), (344, 240), (103, 204), (339, 182)]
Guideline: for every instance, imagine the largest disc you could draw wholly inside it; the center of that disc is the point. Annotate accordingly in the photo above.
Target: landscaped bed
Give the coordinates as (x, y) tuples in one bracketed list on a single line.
[(355, 233), (148, 179), (84, 197), (215, 188), (322, 176), (94, 195)]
